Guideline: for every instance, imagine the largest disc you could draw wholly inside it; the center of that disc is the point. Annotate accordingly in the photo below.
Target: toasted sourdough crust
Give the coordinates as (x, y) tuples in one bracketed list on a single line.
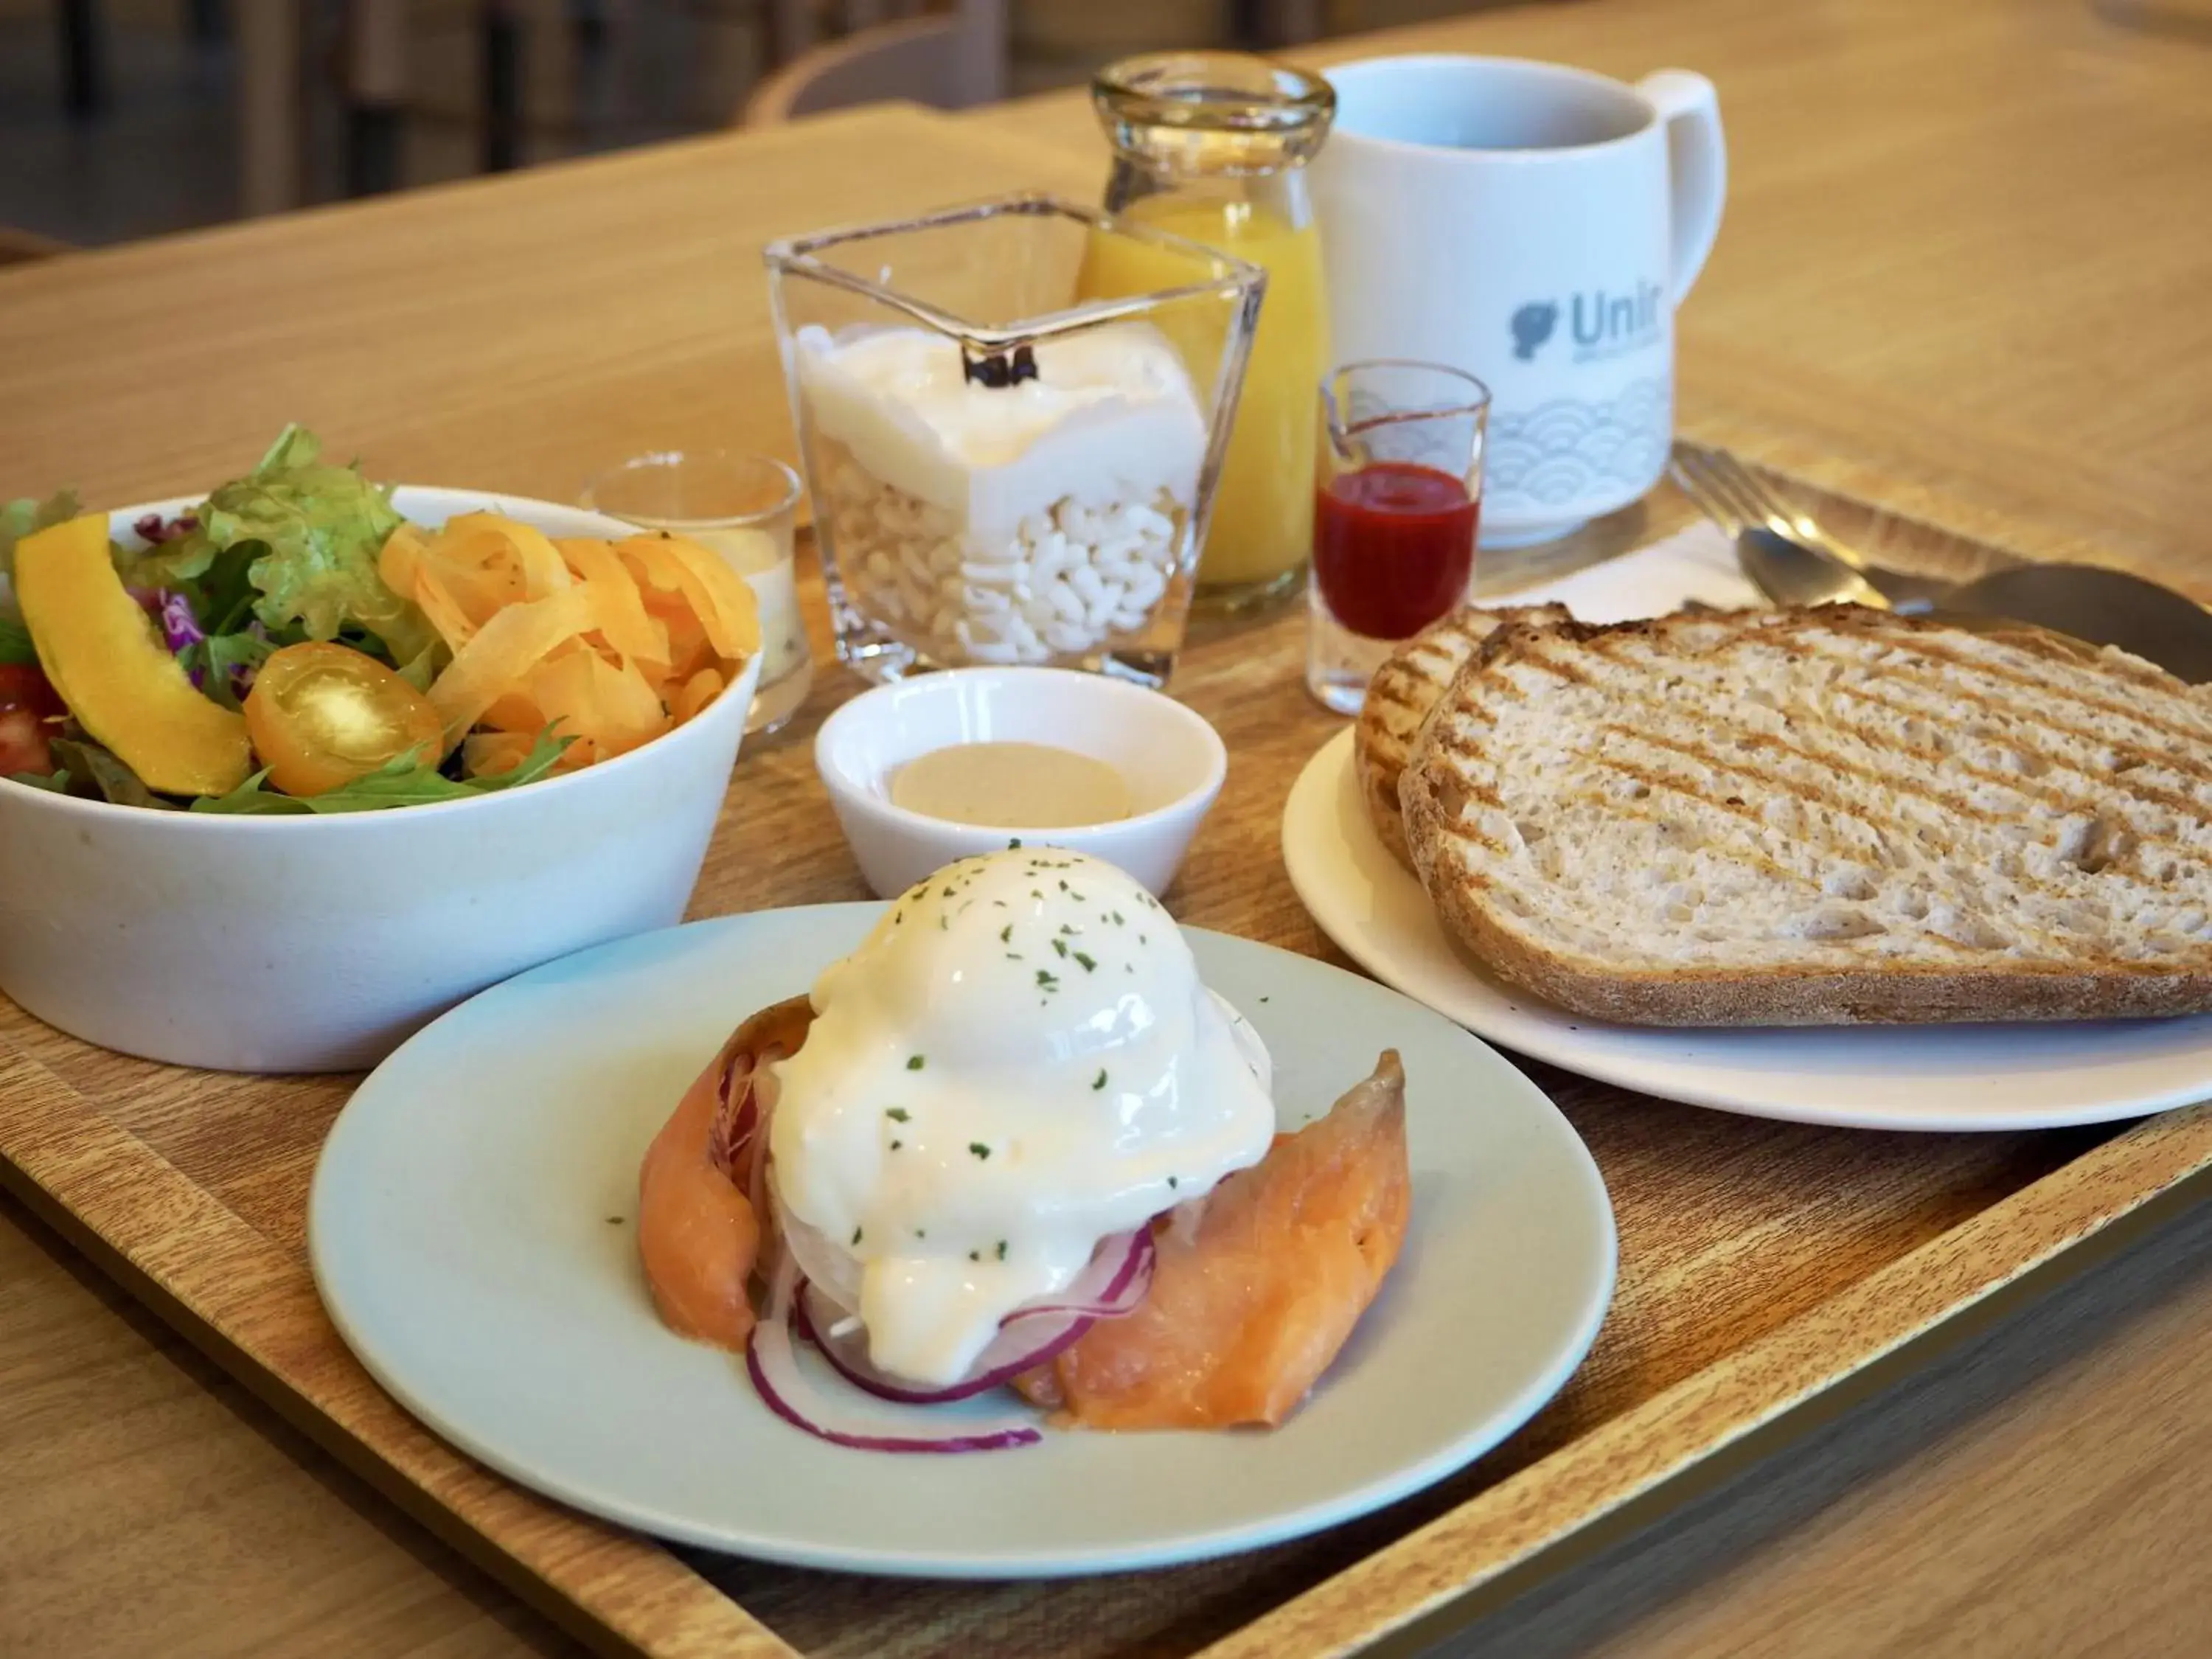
[(1877, 819), (1405, 688)]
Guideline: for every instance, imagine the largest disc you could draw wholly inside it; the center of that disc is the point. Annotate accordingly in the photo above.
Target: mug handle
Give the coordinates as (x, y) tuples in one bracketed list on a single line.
[(1697, 166)]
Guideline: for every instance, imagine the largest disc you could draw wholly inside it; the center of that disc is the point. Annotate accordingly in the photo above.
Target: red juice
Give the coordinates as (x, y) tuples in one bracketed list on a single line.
[(1394, 546)]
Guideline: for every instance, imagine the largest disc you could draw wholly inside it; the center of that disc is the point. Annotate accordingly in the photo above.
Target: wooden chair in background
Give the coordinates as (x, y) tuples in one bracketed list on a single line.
[(952, 58)]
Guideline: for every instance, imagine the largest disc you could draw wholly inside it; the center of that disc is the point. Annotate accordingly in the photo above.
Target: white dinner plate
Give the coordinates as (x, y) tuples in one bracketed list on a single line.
[(472, 1231), (2021, 1076)]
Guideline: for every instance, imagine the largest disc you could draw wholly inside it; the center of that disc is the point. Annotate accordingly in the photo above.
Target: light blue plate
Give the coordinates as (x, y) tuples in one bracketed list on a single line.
[(471, 1228)]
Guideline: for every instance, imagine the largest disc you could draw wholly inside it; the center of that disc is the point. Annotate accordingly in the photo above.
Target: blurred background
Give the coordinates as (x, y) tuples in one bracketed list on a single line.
[(122, 118)]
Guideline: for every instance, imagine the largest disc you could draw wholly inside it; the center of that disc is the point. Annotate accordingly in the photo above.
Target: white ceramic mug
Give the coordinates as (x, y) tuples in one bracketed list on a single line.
[(1535, 226)]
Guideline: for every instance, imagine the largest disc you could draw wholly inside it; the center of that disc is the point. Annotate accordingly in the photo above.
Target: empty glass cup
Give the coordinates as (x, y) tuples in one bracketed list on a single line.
[(741, 507)]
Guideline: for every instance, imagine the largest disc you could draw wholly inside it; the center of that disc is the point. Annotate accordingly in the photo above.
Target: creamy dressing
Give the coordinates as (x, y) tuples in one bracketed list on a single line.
[(1111, 417), (1011, 786), (1018, 1061)]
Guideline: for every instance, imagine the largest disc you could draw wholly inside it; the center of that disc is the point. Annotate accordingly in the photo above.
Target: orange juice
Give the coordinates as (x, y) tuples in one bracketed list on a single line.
[(1262, 521)]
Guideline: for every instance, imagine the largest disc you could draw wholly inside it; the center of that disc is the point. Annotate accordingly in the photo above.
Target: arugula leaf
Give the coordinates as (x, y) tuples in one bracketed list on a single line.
[(97, 773), (406, 781), (304, 535), (15, 645), (214, 663)]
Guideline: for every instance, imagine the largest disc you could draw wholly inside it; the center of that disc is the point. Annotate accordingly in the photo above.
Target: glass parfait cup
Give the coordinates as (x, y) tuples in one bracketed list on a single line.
[(1006, 465), (1213, 145)]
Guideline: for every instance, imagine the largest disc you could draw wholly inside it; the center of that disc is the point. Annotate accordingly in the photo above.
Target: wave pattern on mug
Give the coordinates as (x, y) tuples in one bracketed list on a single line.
[(1566, 448)]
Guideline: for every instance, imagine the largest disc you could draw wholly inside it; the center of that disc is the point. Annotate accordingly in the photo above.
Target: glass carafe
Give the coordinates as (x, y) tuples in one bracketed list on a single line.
[(1213, 146)]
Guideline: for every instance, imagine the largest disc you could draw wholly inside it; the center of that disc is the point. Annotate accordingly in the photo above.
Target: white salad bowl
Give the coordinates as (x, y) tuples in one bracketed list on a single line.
[(1173, 762), (318, 943)]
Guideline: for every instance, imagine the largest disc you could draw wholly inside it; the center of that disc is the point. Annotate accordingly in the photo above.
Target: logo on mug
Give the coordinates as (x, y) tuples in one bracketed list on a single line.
[(1601, 324)]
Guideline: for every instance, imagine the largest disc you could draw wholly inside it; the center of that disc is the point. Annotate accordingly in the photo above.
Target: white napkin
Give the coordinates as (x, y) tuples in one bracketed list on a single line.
[(1698, 563)]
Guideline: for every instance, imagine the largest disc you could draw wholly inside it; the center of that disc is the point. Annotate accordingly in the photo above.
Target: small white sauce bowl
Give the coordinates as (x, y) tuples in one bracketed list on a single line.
[(1172, 760), (320, 943)]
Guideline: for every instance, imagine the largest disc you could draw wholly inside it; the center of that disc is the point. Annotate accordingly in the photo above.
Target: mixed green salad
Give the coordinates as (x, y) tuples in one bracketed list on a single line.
[(292, 644)]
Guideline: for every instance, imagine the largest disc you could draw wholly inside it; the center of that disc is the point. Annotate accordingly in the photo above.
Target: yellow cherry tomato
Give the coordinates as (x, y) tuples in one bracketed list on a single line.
[(321, 716)]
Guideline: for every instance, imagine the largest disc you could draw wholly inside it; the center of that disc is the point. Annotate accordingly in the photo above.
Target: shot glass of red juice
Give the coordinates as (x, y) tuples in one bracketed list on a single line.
[(1397, 493)]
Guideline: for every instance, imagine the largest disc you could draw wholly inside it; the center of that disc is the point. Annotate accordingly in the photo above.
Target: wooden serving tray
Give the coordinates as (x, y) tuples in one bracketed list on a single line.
[(1762, 1265)]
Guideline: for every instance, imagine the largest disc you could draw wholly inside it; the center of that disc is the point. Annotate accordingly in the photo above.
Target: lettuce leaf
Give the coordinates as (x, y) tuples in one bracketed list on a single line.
[(407, 781), (296, 541), (15, 645)]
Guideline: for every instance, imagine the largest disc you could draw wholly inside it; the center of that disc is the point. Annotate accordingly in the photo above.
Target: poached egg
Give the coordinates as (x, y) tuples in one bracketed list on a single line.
[(1017, 1062)]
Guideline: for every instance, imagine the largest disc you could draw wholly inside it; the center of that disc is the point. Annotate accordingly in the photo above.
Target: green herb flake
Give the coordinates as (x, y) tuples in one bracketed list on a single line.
[(856, 1235), (914, 1062), (896, 1114), (1014, 843), (1060, 945), (979, 1149), (1089, 965), (895, 1144), (1006, 935), (1049, 981), (1099, 1082), (1172, 1182), (1002, 1249)]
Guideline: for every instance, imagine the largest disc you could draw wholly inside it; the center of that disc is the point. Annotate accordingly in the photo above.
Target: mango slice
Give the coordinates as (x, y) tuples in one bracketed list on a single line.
[(123, 686)]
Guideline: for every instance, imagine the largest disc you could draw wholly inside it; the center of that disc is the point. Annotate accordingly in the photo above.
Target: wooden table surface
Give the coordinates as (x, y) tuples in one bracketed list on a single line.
[(1966, 272)]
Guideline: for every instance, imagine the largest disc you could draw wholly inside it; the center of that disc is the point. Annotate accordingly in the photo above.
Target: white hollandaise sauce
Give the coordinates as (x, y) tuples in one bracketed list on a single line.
[(1018, 1061)]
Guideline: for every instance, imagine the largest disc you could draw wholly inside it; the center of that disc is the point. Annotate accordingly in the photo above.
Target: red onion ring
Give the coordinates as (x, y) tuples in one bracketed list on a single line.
[(1119, 1274), (772, 1362), (817, 1314), (1118, 1277)]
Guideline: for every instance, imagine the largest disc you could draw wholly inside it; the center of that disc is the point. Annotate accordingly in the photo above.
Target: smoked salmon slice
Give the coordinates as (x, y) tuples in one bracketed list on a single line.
[(697, 1232), (1256, 1288)]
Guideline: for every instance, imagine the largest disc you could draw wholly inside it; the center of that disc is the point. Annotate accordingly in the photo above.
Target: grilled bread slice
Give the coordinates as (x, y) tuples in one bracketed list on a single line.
[(1816, 818), (1402, 692)]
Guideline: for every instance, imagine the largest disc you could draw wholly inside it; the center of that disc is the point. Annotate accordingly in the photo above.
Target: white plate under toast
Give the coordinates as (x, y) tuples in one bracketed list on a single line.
[(472, 1223), (2020, 1075)]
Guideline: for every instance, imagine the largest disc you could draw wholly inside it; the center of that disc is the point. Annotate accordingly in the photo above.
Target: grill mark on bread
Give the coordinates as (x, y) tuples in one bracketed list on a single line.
[(1749, 856), (2000, 709), (1465, 749), (2059, 690), (2064, 802), (1531, 658), (2182, 763), (1651, 780), (1822, 845), (2026, 789), (2121, 866)]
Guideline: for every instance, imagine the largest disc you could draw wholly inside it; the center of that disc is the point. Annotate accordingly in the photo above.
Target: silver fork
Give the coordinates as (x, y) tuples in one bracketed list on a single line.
[(1787, 553)]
